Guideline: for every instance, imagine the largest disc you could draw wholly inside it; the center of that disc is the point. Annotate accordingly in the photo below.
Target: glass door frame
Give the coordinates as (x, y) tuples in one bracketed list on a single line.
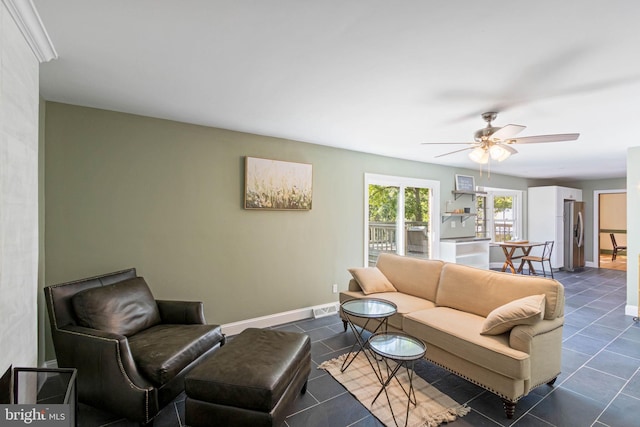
[(402, 183)]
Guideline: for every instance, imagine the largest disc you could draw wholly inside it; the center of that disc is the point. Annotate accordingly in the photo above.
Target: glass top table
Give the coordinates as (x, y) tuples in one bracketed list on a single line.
[(397, 346), (403, 350), (371, 309)]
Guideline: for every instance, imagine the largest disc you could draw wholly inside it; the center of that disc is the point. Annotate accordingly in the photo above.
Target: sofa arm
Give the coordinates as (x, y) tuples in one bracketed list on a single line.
[(181, 312), (522, 336)]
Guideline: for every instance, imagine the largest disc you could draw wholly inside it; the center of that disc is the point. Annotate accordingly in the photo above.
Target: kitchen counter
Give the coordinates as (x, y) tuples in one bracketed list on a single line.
[(472, 251)]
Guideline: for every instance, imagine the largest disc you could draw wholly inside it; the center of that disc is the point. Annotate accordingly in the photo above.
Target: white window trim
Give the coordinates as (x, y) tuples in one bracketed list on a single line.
[(517, 209), (402, 182)]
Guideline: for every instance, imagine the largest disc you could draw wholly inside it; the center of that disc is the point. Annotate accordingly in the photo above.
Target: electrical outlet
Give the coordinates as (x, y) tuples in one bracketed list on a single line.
[(334, 288), (453, 224)]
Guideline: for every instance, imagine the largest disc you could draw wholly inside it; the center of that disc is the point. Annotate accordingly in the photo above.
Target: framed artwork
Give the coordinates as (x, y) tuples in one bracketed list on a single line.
[(277, 185), (465, 183)]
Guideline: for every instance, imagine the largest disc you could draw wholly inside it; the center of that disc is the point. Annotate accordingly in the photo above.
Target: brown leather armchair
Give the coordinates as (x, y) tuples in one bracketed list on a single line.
[(131, 351)]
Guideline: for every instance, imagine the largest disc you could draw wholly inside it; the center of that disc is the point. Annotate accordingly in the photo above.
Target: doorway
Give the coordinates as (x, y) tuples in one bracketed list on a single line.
[(399, 217), (612, 220)]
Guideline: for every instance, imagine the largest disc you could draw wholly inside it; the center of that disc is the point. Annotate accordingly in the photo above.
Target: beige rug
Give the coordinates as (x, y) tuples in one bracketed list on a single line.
[(433, 408)]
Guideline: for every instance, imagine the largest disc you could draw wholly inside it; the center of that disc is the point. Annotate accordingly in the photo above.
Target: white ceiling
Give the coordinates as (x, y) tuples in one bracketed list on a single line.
[(367, 75)]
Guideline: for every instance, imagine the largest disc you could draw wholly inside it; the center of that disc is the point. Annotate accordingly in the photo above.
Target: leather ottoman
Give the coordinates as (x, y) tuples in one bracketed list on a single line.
[(250, 381)]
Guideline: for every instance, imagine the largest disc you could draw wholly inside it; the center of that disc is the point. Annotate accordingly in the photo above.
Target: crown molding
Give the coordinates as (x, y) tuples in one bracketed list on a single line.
[(28, 20)]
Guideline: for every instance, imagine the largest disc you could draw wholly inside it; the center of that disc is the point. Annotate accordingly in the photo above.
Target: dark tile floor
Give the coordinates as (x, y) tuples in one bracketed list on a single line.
[(599, 385)]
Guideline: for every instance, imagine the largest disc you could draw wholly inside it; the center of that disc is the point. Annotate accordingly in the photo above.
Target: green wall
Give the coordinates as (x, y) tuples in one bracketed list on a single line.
[(166, 197)]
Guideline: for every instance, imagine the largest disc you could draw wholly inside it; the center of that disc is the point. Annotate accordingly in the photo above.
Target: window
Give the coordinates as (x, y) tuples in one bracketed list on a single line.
[(499, 214), (481, 218), (401, 217)]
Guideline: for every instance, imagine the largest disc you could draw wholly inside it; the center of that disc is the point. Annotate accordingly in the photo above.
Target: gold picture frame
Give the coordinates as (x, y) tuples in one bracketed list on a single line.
[(277, 185)]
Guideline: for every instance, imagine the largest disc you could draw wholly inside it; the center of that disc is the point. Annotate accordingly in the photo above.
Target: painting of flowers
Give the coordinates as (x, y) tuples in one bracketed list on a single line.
[(278, 185)]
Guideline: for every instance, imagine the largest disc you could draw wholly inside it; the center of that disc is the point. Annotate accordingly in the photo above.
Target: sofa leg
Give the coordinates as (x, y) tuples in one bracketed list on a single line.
[(304, 387), (509, 408), (344, 324), (147, 424), (552, 382)]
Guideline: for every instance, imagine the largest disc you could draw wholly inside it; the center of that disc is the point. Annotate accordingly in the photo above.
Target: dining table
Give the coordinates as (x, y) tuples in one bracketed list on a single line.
[(510, 247)]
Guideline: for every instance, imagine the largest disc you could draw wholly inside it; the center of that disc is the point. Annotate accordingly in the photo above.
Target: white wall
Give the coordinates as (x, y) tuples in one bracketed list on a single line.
[(18, 196), (633, 229)]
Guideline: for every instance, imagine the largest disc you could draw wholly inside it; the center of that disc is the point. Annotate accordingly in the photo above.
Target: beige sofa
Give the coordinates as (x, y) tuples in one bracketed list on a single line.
[(461, 312)]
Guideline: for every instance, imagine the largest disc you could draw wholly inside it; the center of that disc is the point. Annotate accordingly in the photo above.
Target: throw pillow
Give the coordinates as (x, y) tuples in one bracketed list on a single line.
[(122, 308), (371, 280), (523, 311)]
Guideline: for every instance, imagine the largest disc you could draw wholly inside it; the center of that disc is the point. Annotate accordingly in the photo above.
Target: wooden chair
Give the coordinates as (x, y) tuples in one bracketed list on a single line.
[(545, 257), (616, 247)]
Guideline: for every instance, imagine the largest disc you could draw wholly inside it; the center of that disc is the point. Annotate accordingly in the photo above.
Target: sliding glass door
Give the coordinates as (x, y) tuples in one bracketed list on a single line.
[(401, 217)]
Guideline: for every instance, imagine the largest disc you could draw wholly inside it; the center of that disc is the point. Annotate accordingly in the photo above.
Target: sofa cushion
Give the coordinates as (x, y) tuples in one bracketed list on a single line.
[(413, 276), (523, 311), (460, 287), (371, 280), (458, 333), (405, 304), (122, 308), (162, 351)]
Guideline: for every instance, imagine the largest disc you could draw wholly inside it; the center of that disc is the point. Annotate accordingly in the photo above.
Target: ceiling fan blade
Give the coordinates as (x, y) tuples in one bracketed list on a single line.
[(544, 138), (507, 132), (453, 152)]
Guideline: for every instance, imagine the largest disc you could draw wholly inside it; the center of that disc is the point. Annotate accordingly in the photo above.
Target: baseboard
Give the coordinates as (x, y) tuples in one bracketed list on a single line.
[(498, 265), (274, 319), (631, 310), (50, 364)]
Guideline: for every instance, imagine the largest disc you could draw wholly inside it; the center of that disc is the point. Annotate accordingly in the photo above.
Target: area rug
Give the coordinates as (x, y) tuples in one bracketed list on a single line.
[(433, 407)]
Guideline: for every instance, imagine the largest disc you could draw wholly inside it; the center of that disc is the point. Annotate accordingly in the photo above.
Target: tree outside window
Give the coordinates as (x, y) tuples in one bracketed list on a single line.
[(503, 218), (498, 215)]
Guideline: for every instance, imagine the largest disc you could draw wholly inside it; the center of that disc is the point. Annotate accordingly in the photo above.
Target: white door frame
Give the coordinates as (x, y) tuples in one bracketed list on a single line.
[(596, 223), (399, 181)]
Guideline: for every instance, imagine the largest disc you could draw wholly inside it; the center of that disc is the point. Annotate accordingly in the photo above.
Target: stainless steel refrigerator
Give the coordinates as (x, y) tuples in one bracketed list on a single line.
[(573, 235)]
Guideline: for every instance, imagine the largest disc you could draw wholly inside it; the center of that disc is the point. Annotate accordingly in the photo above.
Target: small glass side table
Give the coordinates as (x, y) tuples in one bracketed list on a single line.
[(372, 309), (404, 350)]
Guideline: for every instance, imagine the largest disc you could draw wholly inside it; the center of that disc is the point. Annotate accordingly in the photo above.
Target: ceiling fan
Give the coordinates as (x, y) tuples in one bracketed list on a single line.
[(495, 143)]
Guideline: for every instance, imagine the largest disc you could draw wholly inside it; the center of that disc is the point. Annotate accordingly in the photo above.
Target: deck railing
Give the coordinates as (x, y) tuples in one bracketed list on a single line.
[(382, 238)]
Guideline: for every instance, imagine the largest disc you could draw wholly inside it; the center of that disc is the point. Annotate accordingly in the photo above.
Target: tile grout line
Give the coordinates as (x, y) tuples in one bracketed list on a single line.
[(614, 397)]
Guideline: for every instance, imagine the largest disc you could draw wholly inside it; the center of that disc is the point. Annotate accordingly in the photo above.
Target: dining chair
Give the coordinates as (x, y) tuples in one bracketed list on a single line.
[(545, 257), (616, 247)]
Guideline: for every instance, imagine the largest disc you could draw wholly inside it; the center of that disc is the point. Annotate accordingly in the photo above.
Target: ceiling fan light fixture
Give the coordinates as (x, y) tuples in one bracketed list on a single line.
[(479, 155), (499, 153)]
